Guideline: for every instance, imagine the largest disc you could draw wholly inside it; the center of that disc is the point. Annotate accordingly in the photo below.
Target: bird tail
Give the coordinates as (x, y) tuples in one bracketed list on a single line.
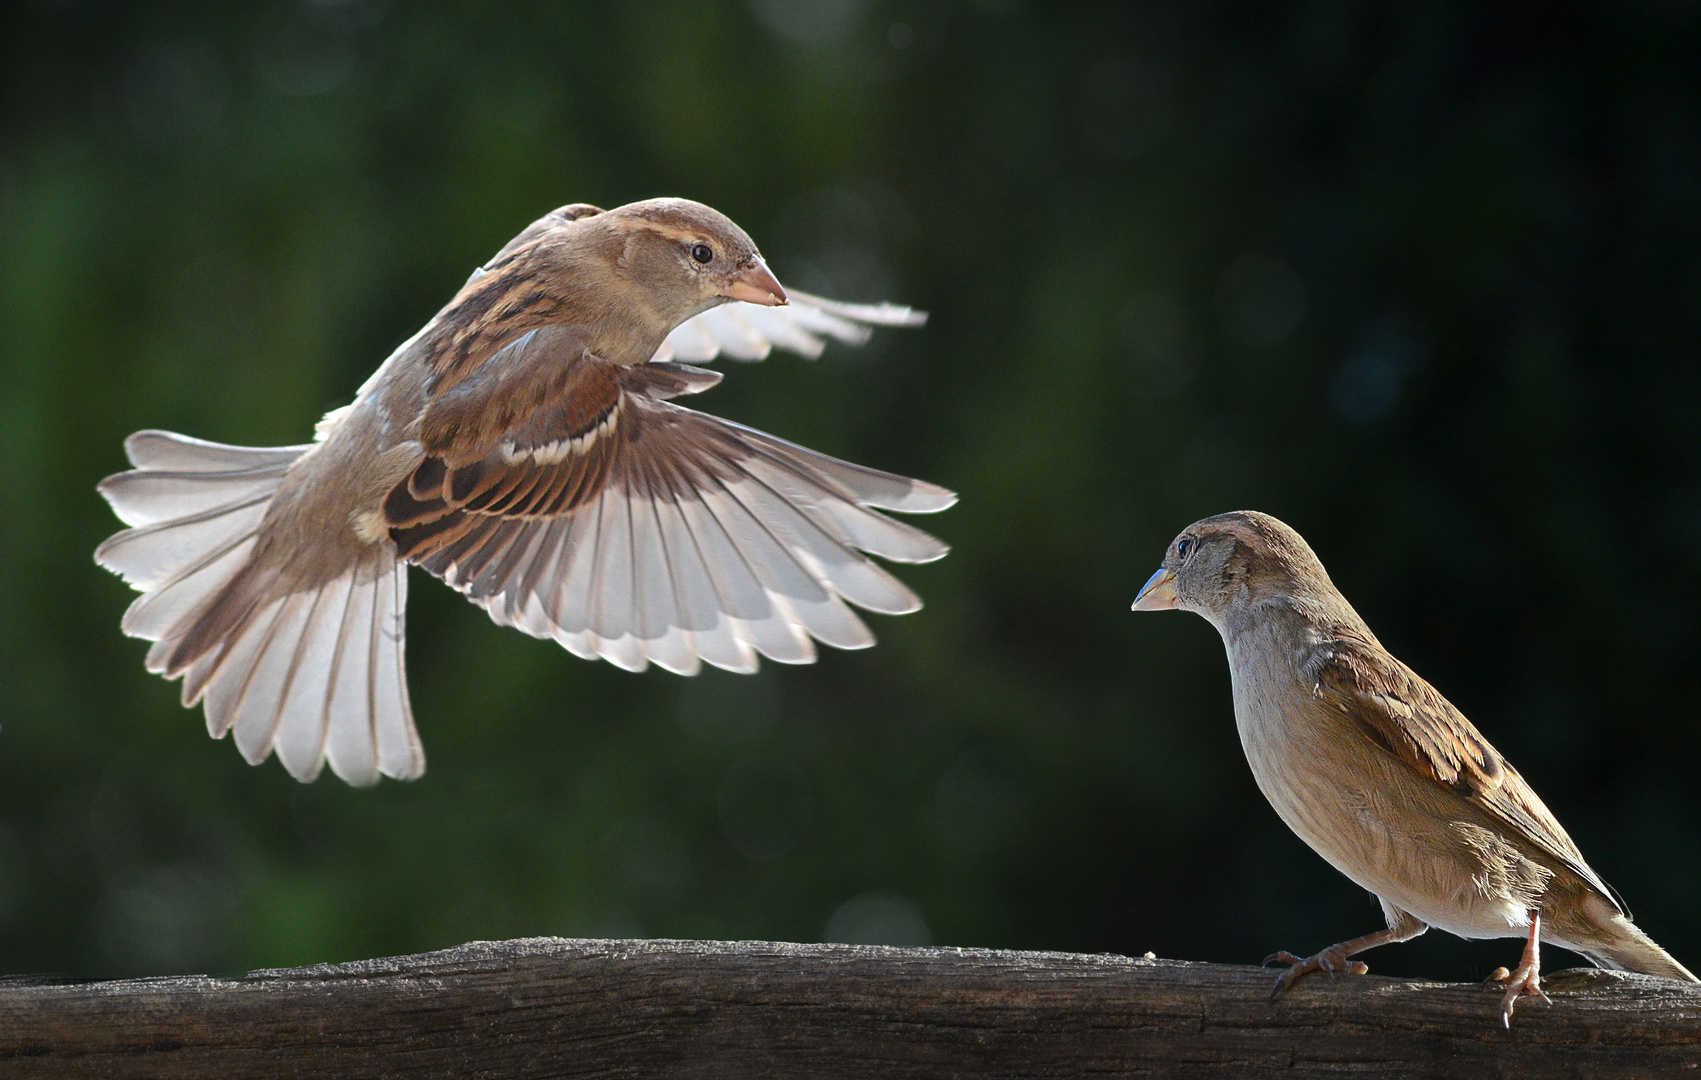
[(1627, 948), (316, 674)]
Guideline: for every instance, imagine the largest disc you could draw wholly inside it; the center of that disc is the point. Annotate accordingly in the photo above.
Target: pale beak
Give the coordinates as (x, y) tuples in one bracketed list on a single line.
[(756, 284), (1158, 594)]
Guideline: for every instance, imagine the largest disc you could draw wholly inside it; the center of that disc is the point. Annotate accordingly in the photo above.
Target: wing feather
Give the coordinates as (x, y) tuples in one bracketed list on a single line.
[(1411, 720), (750, 331), (629, 528)]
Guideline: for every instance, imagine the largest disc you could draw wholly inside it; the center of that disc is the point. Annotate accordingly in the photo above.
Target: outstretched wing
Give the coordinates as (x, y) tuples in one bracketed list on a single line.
[(750, 331), (1410, 719), (572, 499)]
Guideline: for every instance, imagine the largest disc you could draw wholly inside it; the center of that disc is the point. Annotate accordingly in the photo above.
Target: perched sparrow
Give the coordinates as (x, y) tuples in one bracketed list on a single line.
[(1384, 778), (521, 447)]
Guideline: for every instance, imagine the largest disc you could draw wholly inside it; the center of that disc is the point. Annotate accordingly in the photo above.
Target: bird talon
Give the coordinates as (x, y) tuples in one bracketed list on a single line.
[(1286, 980), (1498, 975), (1334, 960), (1526, 980)]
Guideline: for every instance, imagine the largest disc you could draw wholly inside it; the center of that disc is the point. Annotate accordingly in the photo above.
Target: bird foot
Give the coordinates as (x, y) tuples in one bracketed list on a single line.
[(1333, 960), (1524, 979)]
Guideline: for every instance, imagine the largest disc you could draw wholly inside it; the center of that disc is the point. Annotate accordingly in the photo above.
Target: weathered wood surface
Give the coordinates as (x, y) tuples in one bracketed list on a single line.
[(550, 1007)]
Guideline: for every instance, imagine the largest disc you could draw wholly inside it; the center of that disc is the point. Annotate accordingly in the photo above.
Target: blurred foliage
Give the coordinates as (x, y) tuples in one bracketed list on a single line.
[(1421, 279)]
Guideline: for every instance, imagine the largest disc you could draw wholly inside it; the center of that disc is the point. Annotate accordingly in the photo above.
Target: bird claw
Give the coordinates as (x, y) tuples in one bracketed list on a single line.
[(1333, 960), (1523, 980)]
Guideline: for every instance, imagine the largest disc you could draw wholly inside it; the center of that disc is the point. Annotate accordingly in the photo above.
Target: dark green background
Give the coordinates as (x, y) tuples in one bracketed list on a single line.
[(1421, 279)]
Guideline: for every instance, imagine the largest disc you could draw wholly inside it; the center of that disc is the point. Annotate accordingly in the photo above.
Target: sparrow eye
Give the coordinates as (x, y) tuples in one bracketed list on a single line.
[(1182, 547), (703, 253)]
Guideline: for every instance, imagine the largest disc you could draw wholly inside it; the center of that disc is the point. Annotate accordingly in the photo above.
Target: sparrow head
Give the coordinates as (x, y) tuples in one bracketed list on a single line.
[(689, 257), (1226, 564), (625, 277)]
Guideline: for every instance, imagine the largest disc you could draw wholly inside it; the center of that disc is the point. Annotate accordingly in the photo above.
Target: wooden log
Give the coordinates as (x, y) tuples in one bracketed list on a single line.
[(551, 1007)]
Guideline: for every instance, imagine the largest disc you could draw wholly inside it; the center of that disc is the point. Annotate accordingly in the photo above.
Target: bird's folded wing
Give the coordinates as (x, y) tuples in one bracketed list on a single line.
[(750, 331), (1410, 719), (627, 527)]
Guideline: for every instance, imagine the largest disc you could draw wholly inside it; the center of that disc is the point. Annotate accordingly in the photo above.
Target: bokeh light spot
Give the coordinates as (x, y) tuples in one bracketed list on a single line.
[(878, 918), (809, 22), (1366, 387)]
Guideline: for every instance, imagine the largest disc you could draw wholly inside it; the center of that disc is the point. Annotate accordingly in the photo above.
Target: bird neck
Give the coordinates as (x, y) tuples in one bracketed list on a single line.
[(622, 333), (618, 319), (612, 318), (1301, 614)]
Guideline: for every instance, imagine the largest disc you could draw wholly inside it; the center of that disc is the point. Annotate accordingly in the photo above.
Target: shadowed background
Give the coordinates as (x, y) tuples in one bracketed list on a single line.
[(1421, 279)]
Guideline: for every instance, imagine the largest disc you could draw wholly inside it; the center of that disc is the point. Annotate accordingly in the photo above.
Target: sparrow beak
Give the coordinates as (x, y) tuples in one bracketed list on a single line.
[(756, 284), (1158, 594)]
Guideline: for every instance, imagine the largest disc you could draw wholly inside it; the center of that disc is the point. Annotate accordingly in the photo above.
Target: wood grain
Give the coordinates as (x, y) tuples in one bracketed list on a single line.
[(551, 1007)]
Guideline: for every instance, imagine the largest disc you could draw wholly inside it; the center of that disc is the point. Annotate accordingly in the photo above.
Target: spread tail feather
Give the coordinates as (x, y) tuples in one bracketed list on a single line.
[(317, 675)]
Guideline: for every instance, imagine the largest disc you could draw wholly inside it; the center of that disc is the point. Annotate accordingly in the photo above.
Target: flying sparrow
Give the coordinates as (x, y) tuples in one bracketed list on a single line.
[(522, 447), (1379, 773)]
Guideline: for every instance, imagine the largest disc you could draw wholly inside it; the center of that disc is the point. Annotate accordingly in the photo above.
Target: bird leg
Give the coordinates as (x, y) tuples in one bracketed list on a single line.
[(1526, 977), (1334, 959)]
